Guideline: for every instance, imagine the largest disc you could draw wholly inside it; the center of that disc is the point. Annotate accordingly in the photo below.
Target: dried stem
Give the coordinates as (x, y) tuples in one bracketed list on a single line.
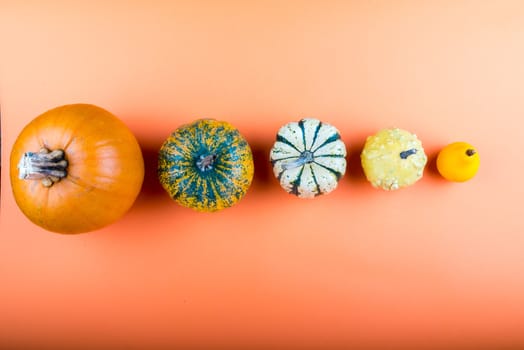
[(47, 166)]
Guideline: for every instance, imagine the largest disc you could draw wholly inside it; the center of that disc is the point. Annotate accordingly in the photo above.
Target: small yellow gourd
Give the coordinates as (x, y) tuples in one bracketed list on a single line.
[(458, 161), (393, 159)]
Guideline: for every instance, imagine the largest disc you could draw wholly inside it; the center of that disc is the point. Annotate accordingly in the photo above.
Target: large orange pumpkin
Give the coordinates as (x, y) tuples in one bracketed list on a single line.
[(76, 168)]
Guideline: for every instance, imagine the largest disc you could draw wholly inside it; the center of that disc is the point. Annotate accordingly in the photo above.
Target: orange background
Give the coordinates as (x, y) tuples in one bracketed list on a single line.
[(437, 264)]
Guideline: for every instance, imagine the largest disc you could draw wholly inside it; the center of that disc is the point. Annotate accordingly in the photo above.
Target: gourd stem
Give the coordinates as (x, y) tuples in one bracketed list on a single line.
[(305, 157), (409, 152), (470, 152), (205, 163), (47, 166)]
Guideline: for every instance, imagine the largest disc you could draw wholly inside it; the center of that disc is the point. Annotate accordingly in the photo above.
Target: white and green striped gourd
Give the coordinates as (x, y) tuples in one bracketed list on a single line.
[(308, 158)]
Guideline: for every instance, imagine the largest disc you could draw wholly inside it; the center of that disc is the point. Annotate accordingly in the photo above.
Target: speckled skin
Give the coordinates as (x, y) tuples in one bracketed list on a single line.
[(393, 158), (308, 158), (227, 179)]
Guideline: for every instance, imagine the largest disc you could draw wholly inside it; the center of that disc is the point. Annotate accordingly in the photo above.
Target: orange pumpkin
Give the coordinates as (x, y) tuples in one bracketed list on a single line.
[(76, 168)]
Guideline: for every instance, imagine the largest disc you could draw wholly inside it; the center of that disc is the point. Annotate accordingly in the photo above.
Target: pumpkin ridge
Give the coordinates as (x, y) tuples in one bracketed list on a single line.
[(282, 139), (329, 140), (90, 187), (222, 172), (45, 202), (73, 205), (330, 156), (37, 130), (274, 161), (188, 183), (210, 191), (296, 183), (71, 137), (207, 195), (301, 126), (315, 180), (220, 202), (60, 118), (315, 134), (231, 139), (225, 179), (41, 206), (230, 163), (68, 143), (282, 150), (334, 172), (84, 186), (198, 189), (186, 133)]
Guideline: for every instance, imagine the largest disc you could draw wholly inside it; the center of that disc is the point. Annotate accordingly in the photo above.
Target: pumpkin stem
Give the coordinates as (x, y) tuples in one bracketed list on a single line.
[(47, 166), (304, 158), (205, 163)]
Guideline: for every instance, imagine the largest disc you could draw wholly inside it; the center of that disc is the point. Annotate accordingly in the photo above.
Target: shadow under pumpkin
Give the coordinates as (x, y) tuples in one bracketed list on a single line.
[(354, 171), (152, 192), (263, 179)]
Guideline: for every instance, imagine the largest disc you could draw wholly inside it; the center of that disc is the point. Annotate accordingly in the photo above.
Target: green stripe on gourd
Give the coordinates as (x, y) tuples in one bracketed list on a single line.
[(308, 158)]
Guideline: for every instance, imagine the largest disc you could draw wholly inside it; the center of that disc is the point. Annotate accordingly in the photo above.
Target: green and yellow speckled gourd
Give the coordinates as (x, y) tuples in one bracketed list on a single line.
[(206, 165)]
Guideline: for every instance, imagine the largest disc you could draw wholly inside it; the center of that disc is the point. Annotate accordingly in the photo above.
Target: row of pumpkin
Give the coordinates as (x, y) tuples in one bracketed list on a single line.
[(77, 168)]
